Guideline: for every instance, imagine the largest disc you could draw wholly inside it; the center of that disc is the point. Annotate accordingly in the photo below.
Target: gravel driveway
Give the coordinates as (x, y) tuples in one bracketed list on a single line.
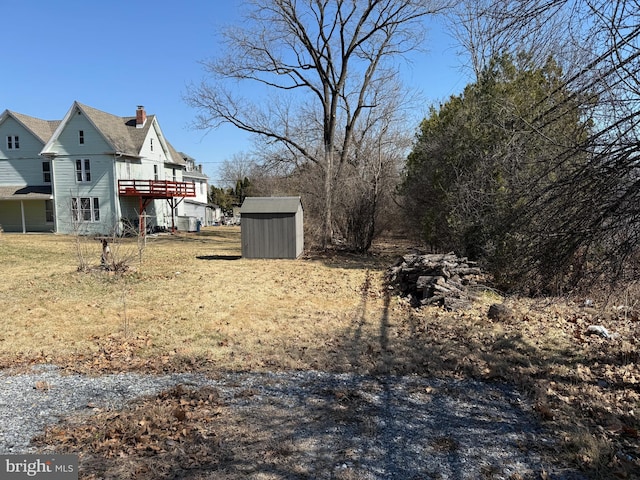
[(369, 427)]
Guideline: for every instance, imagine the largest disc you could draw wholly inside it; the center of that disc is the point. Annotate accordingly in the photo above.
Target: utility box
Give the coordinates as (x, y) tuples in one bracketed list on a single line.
[(272, 227), (187, 224)]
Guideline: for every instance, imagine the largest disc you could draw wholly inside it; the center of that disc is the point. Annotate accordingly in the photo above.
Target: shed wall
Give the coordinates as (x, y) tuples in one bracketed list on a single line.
[(271, 235)]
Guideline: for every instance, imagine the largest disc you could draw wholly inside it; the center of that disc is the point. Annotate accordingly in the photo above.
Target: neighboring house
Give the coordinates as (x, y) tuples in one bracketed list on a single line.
[(216, 214), (90, 173), (197, 206)]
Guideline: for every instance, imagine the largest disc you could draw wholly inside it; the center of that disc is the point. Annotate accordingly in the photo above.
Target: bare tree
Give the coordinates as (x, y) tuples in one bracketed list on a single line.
[(238, 167), (380, 146), (314, 65), (488, 29)]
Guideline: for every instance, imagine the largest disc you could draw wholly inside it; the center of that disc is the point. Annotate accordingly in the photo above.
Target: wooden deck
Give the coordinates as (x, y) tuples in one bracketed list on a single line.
[(156, 188)]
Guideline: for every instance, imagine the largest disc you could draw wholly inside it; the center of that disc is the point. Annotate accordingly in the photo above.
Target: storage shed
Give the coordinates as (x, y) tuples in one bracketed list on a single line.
[(272, 227)]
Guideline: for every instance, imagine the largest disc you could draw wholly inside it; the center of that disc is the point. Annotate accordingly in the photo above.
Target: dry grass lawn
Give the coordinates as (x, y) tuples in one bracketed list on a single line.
[(190, 297), (192, 304)]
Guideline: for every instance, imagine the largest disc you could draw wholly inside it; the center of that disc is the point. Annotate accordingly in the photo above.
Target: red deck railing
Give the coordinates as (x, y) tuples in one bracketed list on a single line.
[(156, 188)]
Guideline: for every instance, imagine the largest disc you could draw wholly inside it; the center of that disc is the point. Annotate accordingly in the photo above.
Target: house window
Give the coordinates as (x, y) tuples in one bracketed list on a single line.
[(96, 209), (151, 143), (83, 170), (155, 172), (13, 142), (46, 172), (85, 209), (127, 164), (175, 177), (48, 211), (81, 137)]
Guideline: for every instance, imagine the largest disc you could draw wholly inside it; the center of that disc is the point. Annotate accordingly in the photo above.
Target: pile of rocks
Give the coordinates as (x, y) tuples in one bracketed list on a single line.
[(434, 279)]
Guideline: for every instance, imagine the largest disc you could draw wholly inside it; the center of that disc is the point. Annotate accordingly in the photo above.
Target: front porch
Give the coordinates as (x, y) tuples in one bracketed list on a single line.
[(26, 209)]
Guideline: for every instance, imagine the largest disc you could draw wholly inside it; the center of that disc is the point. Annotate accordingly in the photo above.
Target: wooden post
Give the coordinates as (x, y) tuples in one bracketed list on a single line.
[(105, 261)]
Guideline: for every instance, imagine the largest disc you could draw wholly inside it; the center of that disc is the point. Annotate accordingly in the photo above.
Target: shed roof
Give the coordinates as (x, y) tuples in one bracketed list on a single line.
[(270, 205)]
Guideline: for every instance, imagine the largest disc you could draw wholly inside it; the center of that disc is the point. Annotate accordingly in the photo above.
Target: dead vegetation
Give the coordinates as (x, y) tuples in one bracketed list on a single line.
[(163, 437), (194, 305)]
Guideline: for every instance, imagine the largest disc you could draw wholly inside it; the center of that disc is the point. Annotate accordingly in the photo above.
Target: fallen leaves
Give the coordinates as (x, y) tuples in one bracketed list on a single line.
[(577, 382), (160, 434)]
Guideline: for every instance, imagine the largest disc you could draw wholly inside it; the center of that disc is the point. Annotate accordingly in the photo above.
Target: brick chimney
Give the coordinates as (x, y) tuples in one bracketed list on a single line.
[(141, 116)]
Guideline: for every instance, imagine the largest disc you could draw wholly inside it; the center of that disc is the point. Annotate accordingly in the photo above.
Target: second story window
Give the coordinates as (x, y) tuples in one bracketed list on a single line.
[(13, 142), (46, 172), (81, 137), (155, 172), (83, 170), (175, 175)]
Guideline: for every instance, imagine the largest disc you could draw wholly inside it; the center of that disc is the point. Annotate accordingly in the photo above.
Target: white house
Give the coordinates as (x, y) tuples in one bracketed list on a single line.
[(91, 172)]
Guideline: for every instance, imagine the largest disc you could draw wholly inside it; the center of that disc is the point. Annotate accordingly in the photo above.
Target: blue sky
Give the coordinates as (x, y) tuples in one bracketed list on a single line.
[(118, 54)]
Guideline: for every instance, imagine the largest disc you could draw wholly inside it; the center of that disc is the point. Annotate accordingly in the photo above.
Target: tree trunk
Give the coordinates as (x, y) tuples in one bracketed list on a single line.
[(327, 231)]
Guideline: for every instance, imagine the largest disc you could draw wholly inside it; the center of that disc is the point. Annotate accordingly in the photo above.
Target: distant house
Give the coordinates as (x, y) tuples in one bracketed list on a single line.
[(272, 227), (215, 213), (91, 172), (197, 206)]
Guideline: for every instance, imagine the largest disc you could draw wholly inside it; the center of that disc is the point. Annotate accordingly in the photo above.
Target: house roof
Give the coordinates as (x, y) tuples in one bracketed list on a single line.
[(22, 192), (41, 129), (270, 205), (191, 170), (195, 174), (121, 133), (175, 155)]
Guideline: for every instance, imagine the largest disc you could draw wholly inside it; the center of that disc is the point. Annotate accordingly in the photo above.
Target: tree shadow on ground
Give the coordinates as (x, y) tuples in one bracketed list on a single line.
[(466, 346), (320, 425), (219, 257)]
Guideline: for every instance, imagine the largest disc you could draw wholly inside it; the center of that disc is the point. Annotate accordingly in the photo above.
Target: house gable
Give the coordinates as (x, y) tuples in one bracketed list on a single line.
[(32, 133), (154, 146), (94, 125), (21, 164)]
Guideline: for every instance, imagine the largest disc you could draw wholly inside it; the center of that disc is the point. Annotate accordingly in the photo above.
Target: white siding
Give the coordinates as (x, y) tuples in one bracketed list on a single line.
[(101, 186), (30, 146), (22, 166), (157, 154), (68, 143), (69, 149), (21, 172)]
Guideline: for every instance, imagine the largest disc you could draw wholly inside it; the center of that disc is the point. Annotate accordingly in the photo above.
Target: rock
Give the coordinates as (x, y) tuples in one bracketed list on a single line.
[(601, 331), (500, 312)]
